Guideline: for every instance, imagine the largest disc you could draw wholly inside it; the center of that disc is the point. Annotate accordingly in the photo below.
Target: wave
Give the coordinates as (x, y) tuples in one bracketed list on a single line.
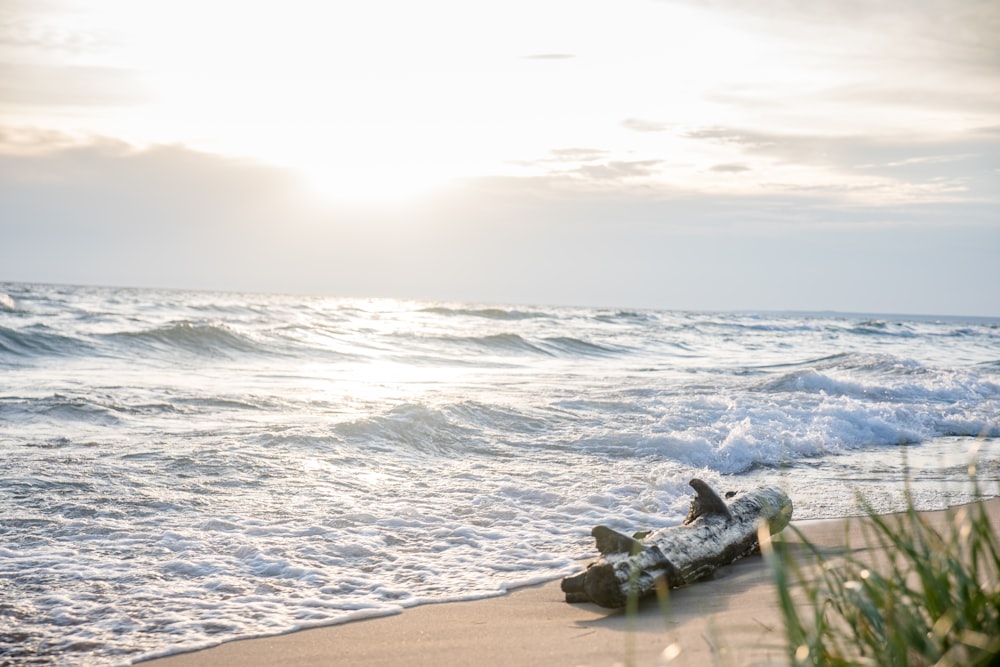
[(817, 361), (873, 364), (883, 328), (515, 344), (487, 313), (92, 408), (62, 407), (38, 341), (837, 326), (740, 326), (295, 461), (628, 316), (413, 428), (812, 381), (213, 340), (567, 345), (905, 384), (870, 363), (210, 340), (504, 343), (735, 439), (464, 428)]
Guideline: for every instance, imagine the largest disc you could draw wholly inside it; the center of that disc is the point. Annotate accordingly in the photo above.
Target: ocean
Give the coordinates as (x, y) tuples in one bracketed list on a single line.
[(185, 468)]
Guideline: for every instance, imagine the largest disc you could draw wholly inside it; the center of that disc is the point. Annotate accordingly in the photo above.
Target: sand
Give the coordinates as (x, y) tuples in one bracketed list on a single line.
[(731, 619)]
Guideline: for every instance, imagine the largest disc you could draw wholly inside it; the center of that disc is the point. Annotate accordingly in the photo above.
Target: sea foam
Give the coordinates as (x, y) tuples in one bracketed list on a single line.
[(186, 468)]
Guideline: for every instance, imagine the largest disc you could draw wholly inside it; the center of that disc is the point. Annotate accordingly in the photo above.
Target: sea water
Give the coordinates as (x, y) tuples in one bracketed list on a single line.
[(180, 469)]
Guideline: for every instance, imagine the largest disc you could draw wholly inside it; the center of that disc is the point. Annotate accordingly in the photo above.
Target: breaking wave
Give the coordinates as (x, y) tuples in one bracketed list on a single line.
[(186, 468)]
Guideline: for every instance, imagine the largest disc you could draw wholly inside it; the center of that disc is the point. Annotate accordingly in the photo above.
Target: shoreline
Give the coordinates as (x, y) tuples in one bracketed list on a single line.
[(733, 618)]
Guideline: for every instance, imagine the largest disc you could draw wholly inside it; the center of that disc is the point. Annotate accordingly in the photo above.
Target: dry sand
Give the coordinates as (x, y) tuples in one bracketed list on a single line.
[(732, 619)]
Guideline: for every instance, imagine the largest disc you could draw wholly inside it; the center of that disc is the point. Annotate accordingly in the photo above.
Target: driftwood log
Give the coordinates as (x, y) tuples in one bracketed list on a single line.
[(716, 532)]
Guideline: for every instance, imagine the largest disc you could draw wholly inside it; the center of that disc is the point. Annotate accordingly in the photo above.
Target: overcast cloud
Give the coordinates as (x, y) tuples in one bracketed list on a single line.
[(722, 155)]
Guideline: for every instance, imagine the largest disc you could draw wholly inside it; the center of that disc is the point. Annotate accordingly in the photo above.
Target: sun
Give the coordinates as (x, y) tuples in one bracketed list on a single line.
[(361, 158), (392, 181)]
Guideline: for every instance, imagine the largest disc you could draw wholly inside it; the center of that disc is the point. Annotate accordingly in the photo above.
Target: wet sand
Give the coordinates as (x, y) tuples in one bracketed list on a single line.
[(731, 619)]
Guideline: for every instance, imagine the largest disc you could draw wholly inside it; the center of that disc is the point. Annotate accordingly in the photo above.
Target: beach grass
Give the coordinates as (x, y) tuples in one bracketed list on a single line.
[(931, 598)]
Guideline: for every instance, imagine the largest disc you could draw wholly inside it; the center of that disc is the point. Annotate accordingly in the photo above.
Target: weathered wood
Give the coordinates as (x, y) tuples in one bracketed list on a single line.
[(716, 532)]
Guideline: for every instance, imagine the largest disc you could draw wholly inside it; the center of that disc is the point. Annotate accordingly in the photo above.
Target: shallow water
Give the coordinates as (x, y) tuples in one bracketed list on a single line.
[(183, 468)]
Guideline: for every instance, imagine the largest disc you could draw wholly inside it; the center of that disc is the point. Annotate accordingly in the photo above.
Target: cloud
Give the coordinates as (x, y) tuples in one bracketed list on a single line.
[(962, 98), (740, 137), (678, 248), (576, 167), (618, 170), (852, 66), (730, 168), (891, 92), (38, 85), (46, 60), (27, 24), (640, 125), (106, 212), (959, 33), (577, 154), (33, 140), (955, 165)]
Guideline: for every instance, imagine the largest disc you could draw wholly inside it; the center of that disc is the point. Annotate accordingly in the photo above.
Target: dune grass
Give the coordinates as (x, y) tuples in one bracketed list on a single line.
[(934, 599)]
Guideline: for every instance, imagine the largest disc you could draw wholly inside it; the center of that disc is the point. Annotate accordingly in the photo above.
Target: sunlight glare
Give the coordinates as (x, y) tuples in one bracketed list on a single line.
[(389, 181)]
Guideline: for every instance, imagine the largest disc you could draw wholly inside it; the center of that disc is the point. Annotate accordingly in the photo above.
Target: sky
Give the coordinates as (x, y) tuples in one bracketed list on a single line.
[(677, 154)]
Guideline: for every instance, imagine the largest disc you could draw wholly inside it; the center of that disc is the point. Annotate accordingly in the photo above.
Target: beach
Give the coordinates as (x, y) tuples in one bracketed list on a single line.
[(731, 619), (190, 469)]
